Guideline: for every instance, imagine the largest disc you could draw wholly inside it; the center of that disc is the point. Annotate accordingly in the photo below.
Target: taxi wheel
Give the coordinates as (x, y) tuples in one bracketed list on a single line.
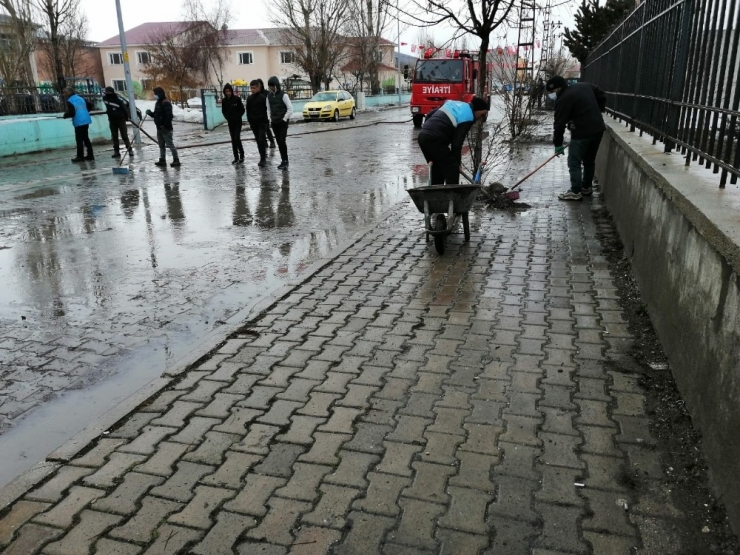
[(353, 115), (336, 115)]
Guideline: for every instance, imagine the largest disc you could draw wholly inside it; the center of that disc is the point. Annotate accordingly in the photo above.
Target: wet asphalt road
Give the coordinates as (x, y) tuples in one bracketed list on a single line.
[(107, 280)]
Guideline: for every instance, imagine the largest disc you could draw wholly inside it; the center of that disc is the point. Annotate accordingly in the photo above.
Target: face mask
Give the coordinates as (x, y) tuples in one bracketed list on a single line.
[(553, 96)]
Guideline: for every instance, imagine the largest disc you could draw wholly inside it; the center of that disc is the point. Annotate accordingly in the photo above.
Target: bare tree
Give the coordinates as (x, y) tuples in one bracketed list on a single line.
[(15, 64), (214, 53), (313, 28), (176, 56), (368, 19), (478, 19), (73, 49), (561, 63), (516, 90), (56, 16)]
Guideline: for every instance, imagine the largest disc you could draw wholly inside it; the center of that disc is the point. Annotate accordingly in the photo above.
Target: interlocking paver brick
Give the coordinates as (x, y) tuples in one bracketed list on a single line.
[(325, 447), (455, 543), (243, 384), (341, 420), (440, 448), (230, 473), (560, 450), (261, 397), (368, 438), (298, 390), (64, 512), (365, 535), (333, 505), (163, 460), (194, 432), (304, 484), (352, 469), (512, 537), (141, 526), (30, 538), (177, 415), (54, 489), (521, 430), (238, 420), (558, 486), (98, 455), (253, 496), (211, 450), (260, 548), (430, 482), (560, 528), (382, 495), (180, 485), (146, 442), (109, 474), (133, 425), (123, 500), (518, 460), (172, 539), (605, 472), (112, 547), (278, 524), (312, 540), (20, 513), (257, 440), (80, 539), (301, 430), (417, 523), (608, 512), (280, 459), (599, 440), (608, 544), (514, 498), (467, 510), (197, 513), (221, 405), (224, 534), (397, 458), (634, 429)]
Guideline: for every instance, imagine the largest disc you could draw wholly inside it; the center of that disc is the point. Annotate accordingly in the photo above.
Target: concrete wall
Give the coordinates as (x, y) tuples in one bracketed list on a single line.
[(212, 116), (21, 135), (682, 234)]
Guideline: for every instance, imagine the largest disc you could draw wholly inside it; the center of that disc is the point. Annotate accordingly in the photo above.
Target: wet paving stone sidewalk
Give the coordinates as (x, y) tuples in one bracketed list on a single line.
[(396, 402)]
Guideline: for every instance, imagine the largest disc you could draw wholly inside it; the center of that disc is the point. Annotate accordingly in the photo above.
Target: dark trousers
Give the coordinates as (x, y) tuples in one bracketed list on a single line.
[(164, 138), (445, 167), (582, 161), (260, 135), (235, 132), (119, 126), (269, 134), (281, 133), (81, 138)]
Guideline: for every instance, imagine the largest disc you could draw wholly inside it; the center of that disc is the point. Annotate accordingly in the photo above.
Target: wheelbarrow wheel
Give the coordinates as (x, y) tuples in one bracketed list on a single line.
[(440, 224)]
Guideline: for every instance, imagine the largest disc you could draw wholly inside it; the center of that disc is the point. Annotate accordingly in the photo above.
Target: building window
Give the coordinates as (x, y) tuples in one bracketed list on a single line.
[(144, 58), (115, 58), (287, 57), (378, 56), (119, 85), (245, 58), (146, 84)]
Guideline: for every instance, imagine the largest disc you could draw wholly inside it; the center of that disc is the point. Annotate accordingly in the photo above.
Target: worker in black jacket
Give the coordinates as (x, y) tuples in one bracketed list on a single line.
[(578, 107), (163, 117), (118, 115), (233, 109), (270, 136), (257, 118), (443, 134)]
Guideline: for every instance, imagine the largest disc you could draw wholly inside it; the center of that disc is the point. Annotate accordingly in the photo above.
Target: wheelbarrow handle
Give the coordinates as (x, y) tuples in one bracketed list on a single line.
[(534, 171)]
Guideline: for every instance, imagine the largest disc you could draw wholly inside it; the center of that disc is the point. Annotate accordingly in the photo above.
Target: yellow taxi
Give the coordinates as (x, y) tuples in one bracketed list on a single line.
[(330, 105)]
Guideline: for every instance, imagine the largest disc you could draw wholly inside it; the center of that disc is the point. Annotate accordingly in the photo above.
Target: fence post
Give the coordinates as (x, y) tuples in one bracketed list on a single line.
[(203, 108), (679, 75)]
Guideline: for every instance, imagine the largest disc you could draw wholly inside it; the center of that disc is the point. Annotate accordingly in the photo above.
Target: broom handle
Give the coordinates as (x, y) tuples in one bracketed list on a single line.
[(534, 171)]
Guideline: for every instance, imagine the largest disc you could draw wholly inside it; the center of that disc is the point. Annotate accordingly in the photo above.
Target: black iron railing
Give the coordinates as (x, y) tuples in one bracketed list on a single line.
[(37, 100), (672, 70)]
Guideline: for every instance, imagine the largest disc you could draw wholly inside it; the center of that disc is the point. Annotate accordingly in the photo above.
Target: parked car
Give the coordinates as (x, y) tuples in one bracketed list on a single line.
[(195, 102), (330, 105)]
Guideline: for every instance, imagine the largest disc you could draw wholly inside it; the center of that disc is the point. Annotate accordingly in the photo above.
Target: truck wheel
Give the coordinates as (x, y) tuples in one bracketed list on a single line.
[(418, 120)]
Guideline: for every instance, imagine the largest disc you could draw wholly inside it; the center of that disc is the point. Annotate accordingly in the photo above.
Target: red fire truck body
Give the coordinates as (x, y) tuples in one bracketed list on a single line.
[(453, 76)]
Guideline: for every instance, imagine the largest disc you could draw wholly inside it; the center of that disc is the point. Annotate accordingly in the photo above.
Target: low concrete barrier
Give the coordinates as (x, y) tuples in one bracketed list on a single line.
[(682, 234), (24, 134)]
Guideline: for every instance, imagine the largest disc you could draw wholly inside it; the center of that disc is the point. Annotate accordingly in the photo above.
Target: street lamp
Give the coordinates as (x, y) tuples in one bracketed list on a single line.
[(127, 73)]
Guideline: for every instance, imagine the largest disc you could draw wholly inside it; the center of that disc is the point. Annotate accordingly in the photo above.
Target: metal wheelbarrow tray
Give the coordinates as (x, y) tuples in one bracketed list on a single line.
[(438, 200)]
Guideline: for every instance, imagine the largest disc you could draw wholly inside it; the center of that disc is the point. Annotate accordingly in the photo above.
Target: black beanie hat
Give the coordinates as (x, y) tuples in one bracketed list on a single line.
[(109, 90), (479, 104), (556, 82), (229, 87)]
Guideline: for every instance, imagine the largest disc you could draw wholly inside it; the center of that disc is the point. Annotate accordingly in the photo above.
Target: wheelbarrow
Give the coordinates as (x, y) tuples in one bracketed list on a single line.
[(436, 200)]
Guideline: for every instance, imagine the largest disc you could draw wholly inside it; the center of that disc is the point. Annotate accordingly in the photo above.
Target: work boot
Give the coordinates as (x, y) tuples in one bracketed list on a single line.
[(235, 161), (116, 154), (175, 163), (272, 144), (283, 165), (90, 157), (77, 159), (162, 163), (262, 163)]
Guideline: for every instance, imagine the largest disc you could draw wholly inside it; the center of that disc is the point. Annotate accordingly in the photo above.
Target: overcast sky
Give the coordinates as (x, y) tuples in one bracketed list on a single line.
[(249, 14)]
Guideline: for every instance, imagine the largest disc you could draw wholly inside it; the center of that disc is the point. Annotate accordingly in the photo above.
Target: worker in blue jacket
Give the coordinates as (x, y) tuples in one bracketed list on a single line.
[(79, 110), (443, 134)]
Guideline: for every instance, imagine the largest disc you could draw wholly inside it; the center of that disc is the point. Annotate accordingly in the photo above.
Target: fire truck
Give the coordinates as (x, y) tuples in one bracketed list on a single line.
[(436, 78)]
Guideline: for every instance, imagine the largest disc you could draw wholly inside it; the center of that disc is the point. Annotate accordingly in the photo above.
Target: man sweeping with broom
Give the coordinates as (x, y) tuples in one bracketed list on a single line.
[(443, 134)]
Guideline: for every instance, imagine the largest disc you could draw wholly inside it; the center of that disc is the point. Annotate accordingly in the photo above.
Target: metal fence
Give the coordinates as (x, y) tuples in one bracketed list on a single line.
[(42, 99), (672, 69)]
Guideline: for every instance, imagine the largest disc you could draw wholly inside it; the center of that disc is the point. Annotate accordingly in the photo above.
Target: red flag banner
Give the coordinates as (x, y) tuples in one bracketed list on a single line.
[(404, 43)]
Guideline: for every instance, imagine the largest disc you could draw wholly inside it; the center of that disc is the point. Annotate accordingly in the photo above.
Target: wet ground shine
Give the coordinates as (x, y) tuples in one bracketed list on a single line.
[(109, 279)]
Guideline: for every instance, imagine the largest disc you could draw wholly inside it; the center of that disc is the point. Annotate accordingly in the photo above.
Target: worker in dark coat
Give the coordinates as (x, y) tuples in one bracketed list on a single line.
[(578, 108), (163, 116), (232, 108), (118, 115), (258, 119), (443, 134)]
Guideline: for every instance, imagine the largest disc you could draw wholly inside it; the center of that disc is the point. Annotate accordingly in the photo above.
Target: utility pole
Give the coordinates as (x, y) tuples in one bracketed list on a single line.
[(127, 73), (398, 56)]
